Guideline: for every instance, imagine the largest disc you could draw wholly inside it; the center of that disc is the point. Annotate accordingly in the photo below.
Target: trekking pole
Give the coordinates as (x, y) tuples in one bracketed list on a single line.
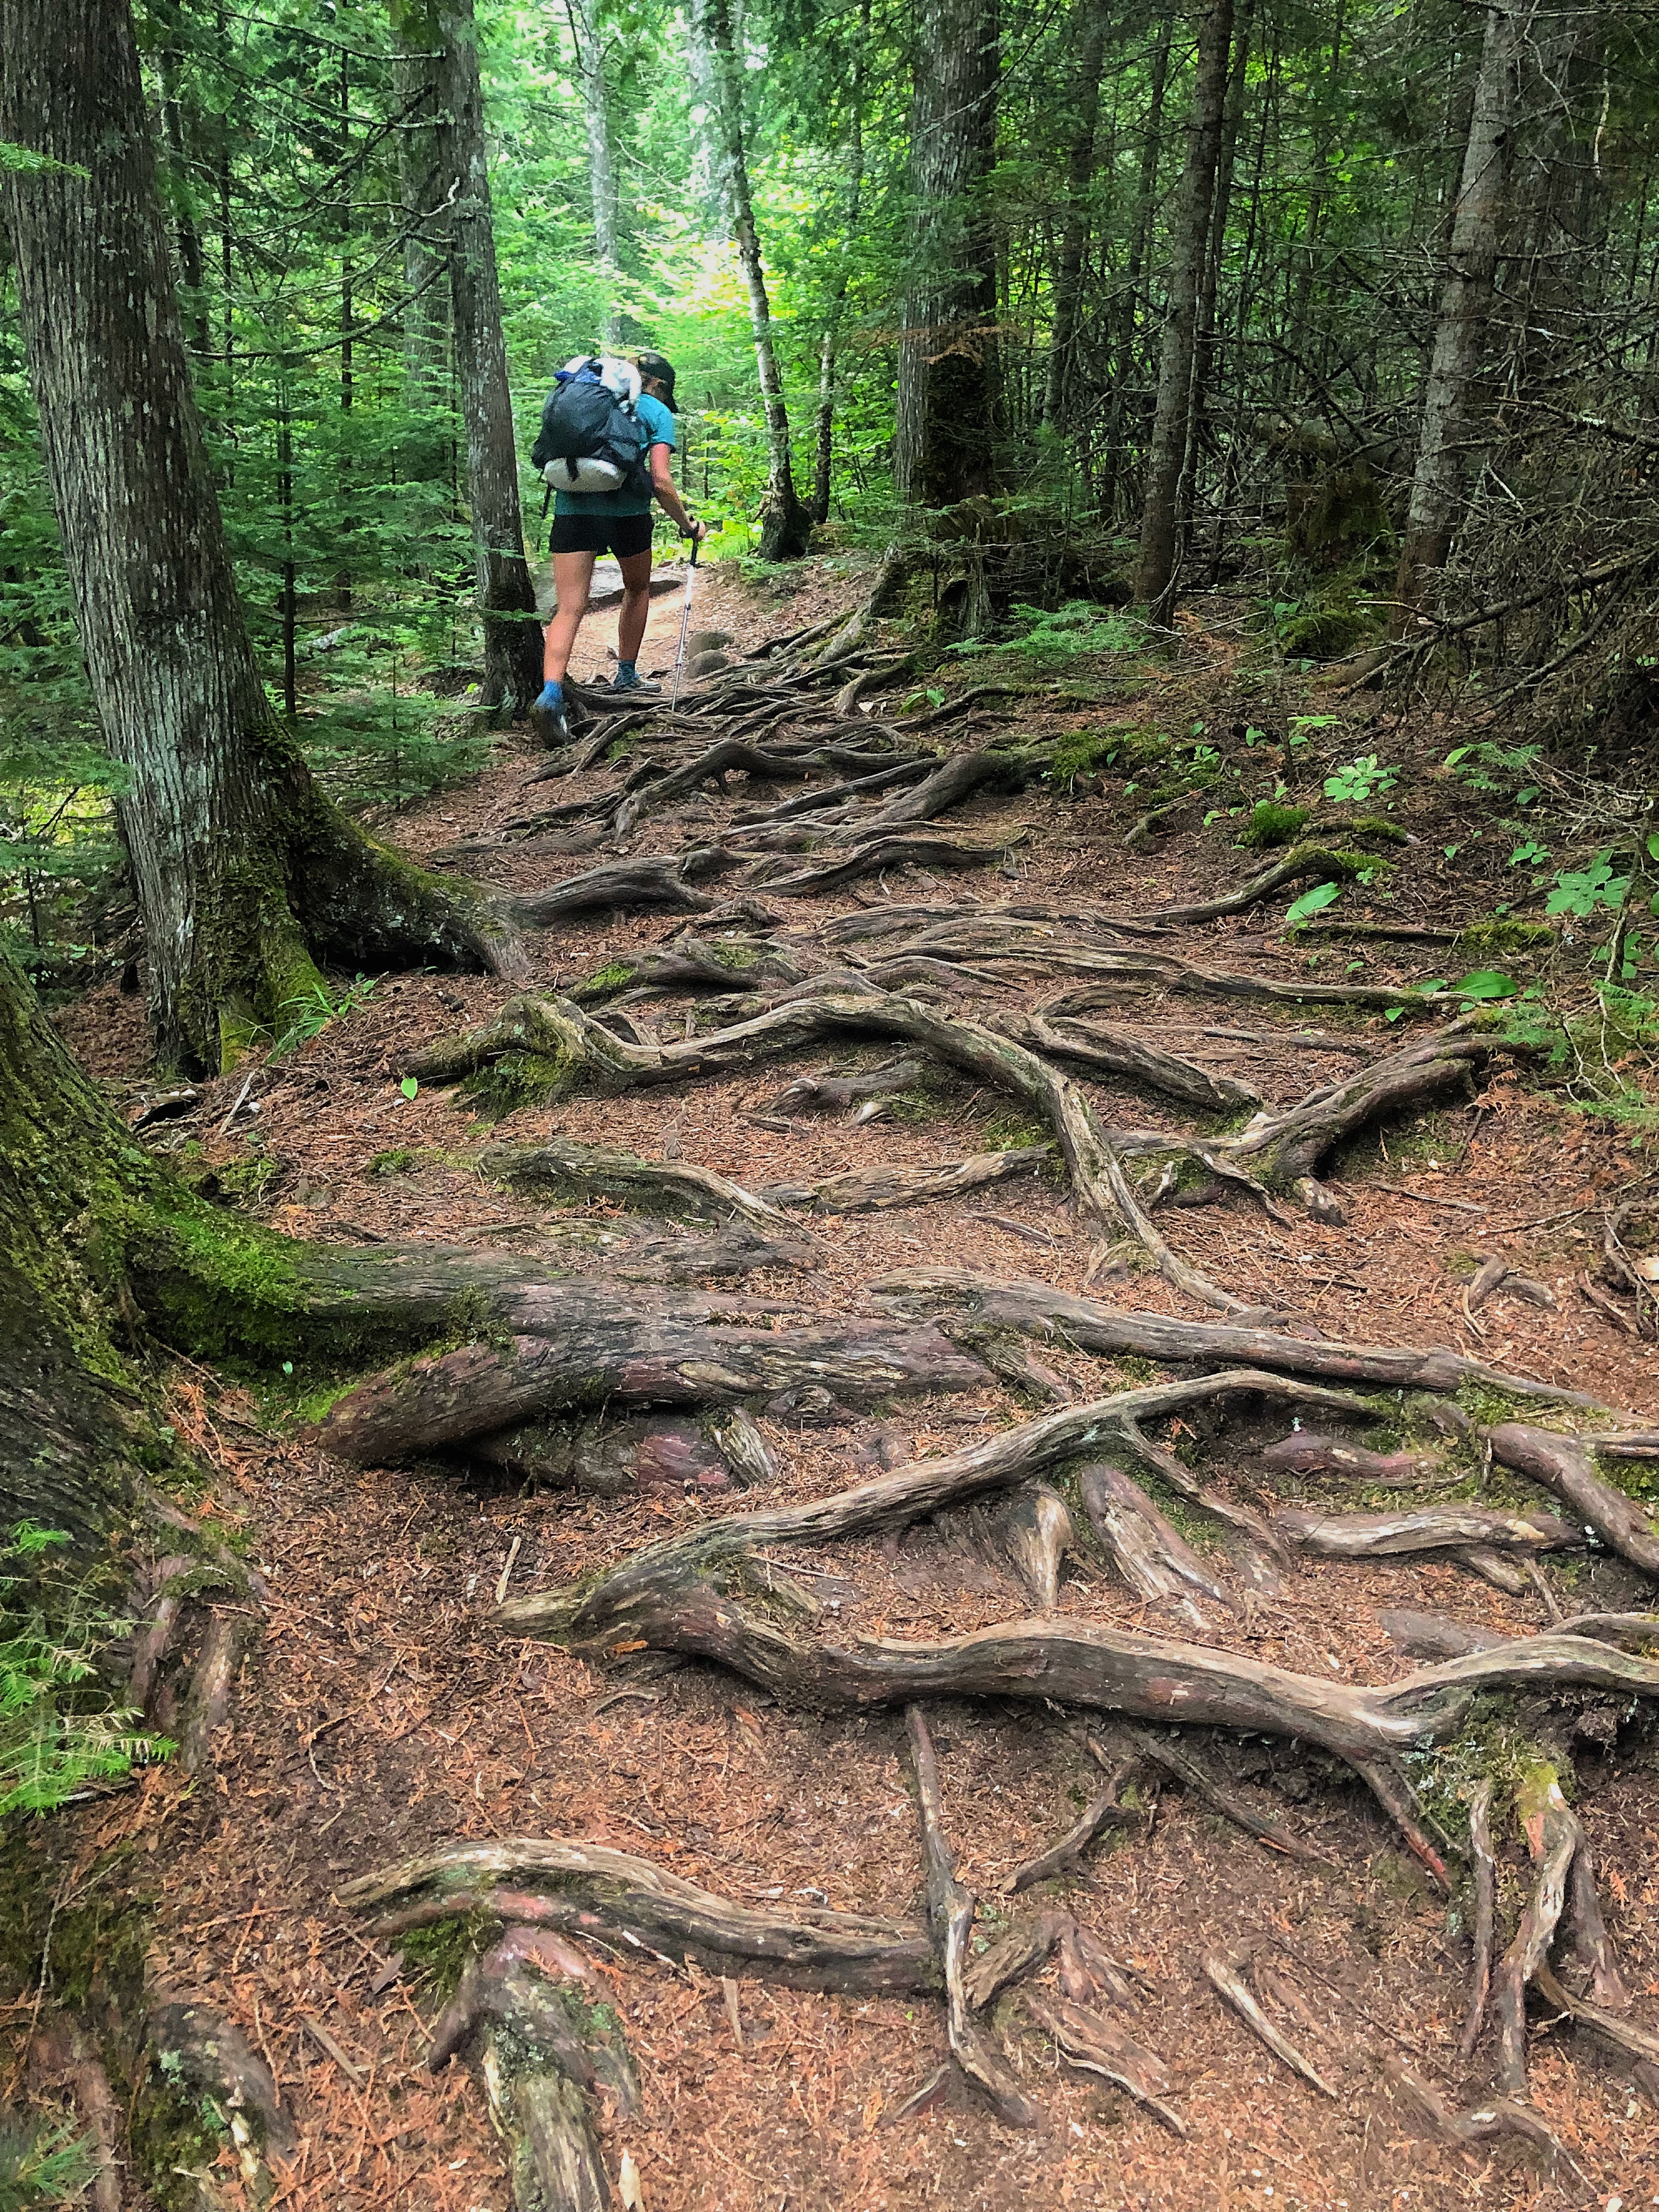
[(685, 617)]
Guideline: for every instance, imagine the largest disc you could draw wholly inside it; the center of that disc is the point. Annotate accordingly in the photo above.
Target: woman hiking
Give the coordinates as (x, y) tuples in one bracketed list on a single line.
[(587, 523)]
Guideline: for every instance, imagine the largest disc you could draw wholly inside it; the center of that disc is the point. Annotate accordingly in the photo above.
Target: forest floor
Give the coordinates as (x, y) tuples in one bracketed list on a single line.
[(381, 1713)]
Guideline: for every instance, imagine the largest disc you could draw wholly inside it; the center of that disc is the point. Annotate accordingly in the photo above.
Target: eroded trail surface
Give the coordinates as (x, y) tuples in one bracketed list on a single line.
[(1140, 1695)]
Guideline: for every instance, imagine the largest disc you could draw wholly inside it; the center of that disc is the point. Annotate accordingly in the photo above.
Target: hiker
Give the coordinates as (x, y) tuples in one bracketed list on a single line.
[(587, 523)]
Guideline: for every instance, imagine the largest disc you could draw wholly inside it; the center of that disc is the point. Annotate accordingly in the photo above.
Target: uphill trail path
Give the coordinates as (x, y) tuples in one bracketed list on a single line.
[(385, 1710)]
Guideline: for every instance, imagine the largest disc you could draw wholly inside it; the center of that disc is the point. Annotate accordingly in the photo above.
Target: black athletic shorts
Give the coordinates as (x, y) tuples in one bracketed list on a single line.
[(625, 535)]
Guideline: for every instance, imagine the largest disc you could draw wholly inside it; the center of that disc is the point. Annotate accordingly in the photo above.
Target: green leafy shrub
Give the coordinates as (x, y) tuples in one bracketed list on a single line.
[(1360, 781), (58, 1729)]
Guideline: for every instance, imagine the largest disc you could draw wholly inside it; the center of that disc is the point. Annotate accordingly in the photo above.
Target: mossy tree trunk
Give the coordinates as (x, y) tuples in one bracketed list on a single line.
[(246, 876)]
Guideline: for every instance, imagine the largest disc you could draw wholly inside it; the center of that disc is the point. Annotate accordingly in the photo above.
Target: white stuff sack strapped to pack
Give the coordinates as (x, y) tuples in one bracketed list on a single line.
[(590, 472)]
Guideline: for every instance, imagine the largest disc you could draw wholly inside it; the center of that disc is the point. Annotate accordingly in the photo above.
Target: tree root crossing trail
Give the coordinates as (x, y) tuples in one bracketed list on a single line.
[(947, 1531)]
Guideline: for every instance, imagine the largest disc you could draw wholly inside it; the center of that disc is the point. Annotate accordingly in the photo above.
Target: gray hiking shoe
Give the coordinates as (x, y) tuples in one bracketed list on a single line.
[(628, 679)]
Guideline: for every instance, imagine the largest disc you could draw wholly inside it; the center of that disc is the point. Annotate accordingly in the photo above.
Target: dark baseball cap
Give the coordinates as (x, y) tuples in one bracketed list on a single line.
[(657, 368)]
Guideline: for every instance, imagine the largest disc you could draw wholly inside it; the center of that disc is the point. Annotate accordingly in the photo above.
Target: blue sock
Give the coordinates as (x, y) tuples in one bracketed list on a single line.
[(626, 668), (552, 695)]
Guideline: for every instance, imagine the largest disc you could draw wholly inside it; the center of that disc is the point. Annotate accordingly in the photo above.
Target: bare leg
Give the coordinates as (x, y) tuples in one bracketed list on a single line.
[(573, 573), (637, 604)]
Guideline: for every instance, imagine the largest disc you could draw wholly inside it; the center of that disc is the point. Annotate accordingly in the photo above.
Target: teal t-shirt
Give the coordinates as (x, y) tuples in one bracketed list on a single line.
[(659, 431)]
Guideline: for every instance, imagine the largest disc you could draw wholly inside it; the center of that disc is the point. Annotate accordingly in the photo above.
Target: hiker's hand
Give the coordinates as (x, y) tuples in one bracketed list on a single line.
[(696, 530)]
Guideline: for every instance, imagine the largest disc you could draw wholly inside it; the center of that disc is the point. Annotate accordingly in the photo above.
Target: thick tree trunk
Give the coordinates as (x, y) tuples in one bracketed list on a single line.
[(601, 159), (944, 446), (507, 599), (1437, 500), (1189, 225), (786, 526), (1094, 17), (245, 873)]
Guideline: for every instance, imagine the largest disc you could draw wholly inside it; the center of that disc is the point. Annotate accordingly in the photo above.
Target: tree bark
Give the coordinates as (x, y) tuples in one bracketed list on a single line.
[(246, 875), (426, 223), (825, 424), (949, 384), (1123, 356), (1436, 501), (507, 599), (1094, 16), (601, 159), (786, 526), (1190, 224)]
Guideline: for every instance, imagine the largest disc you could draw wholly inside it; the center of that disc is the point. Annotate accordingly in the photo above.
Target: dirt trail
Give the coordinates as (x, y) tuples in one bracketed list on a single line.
[(385, 1714)]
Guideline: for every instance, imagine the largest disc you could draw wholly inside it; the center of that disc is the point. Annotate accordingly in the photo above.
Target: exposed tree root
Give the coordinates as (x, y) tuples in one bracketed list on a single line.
[(1567, 1465), (1435, 1528), (1114, 1052), (618, 1459), (1485, 1908), (578, 1344), (1027, 1945), (951, 781), (665, 881), (1036, 1534), (900, 849), (1304, 1453), (1153, 1556), (646, 1585), (1225, 1974), (865, 1190), (1095, 2043), (1102, 1811), (1158, 1751), (558, 1037), (1498, 2119), (1620, 2035), (951, 1909), (1166, 971), (1036, 1309), (1296, 867), (589, 1889), (1552, 1836), (663, 1186)]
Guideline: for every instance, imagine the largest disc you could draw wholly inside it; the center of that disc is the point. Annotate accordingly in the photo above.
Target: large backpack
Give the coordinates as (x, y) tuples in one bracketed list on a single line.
[(591, 439)]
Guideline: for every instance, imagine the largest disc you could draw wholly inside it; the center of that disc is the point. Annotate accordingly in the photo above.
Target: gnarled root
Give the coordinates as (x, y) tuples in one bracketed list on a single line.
[(1553, 1836), (1095, 2043), (590, 1889), (1498, 2119), (1224, 1971), (1102, 1811), (950, 1910), (1151, 1556), (1435, 1528), (1567, 1465), (1486, 1907), (1039, 1310)]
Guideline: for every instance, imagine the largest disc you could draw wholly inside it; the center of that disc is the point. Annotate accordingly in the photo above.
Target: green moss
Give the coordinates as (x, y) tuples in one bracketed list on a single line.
[(397, 1159), (1506, 936), (616, 975), (436, 1955), (517, 1080), (1271, 825), (1323, 633), (1008, 1130)]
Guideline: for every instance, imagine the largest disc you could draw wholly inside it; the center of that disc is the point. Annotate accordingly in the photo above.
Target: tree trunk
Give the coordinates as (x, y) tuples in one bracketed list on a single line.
[(1189, 223), (1436, 499), (1123, 352), (1094, 16), (246, 875), (786, 526), (601, 162), (819, 504), (949, 388), (507, 599), (426, 228), (1221, 200)]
